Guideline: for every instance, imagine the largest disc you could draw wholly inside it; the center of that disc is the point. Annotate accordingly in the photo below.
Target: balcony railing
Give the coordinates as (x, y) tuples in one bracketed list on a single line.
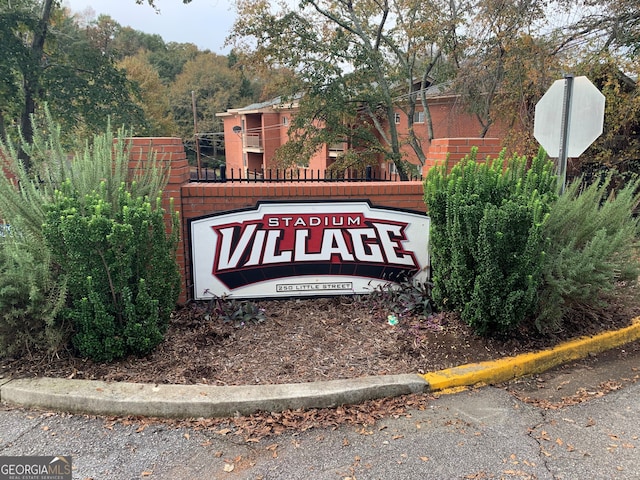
[(337, 149), (252, 140)]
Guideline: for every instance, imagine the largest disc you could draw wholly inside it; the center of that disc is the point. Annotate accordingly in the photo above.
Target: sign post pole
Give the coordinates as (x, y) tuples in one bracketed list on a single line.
[(564, 131)]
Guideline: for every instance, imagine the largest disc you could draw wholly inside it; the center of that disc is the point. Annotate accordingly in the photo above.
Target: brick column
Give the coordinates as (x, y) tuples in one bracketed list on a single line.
[(169, 151), (458, 148)]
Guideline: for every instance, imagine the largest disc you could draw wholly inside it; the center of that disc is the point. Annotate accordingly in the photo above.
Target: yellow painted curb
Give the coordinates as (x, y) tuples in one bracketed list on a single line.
[(502, 370)]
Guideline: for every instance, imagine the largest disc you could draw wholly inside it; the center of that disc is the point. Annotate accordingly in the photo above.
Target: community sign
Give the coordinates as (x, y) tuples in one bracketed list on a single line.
[(284, 249)]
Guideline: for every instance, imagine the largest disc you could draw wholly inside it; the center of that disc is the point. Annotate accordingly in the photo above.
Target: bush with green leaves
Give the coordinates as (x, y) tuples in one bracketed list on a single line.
[(123, 280), (487, 243), (593, 251), (32, 290), (31, 297), (103, 254)]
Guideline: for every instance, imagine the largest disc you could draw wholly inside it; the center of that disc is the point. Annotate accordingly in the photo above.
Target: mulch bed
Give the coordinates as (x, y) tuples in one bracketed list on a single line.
[(305, 340)]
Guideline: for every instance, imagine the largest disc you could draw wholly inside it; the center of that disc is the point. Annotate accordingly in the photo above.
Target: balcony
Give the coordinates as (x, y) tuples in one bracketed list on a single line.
[(337, 149), (252, 142)]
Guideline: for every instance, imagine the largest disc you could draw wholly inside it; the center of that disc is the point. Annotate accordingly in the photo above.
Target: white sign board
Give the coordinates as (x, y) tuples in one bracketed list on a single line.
[(585, 117), (305, 249)]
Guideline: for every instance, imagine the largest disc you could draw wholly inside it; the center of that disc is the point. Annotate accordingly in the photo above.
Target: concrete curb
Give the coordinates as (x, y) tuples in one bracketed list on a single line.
[(502, 370), (195, 401)]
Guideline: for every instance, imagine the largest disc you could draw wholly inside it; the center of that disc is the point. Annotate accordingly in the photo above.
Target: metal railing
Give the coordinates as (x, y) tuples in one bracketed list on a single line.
[(251, 140), (222, 175)]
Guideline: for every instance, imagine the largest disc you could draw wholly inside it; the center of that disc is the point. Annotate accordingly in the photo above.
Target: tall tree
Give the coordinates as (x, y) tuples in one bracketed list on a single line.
[(31, 88), (128, 42), (216, 87), (380, 54), (170, 60), (506, 67), (606, 25), (26, 29), (154, 100)]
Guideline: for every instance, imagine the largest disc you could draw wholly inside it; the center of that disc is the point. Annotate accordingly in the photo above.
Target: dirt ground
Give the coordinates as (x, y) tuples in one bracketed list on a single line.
[(304, 340)]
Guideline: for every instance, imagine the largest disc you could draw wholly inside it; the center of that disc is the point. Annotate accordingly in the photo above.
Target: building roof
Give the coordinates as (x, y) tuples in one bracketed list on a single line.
[(277, 103)]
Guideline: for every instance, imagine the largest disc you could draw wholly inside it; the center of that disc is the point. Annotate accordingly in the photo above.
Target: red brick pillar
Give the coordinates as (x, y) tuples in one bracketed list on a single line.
[(169, 151), (458, 148)]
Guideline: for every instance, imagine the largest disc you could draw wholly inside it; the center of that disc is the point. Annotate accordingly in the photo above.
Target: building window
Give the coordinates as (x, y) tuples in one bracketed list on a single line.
[(418, 117), (285, 121), (397, 118)]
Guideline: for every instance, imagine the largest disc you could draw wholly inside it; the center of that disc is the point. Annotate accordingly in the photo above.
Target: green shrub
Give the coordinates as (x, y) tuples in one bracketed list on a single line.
[(107, 257), (486, 239), (593, 250), (120, 264), (32, 291), (31, 296)]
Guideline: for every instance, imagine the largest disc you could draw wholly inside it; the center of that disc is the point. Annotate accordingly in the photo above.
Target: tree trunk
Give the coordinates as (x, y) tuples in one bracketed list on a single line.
[(3, 133), (31, 82)]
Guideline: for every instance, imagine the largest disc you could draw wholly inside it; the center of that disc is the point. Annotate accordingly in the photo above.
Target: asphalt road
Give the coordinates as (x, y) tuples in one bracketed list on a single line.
[(580, 421)]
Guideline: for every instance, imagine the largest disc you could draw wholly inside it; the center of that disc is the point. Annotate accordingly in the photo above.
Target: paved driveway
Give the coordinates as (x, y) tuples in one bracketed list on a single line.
[(482, 433)]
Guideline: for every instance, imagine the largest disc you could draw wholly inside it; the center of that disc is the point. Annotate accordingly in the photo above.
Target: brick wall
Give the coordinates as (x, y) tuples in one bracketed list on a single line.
[(194, 199), (200, 199), (457, 148)]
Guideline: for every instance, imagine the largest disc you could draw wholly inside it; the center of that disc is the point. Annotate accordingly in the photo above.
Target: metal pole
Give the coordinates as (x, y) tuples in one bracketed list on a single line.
[(195, 131), (564, 131)]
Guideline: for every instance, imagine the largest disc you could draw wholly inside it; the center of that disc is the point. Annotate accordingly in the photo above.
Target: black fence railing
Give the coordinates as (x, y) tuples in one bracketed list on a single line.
[(222, 174)]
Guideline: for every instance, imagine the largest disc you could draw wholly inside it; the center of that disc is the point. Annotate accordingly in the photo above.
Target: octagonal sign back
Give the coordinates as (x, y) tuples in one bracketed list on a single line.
[(586, 117)]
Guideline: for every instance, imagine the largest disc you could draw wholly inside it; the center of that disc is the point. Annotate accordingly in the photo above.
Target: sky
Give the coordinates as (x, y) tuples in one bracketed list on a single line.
[(205, 23)]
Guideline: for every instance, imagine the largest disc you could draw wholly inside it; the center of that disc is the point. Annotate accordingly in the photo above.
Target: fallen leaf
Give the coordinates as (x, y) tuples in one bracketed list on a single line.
[(228, 467), (224, 431), (424, 459), (187, 436), (147, 473), (397, 437), (273, 447)]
